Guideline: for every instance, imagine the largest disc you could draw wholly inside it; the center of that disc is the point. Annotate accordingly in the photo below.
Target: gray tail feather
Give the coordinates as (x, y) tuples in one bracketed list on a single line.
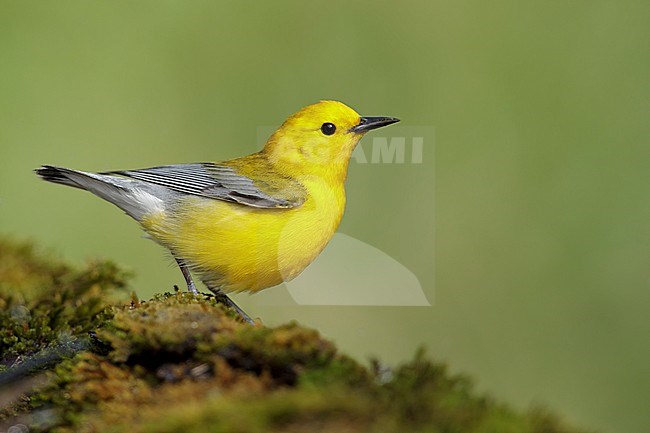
[(55, 174), (124, 193)]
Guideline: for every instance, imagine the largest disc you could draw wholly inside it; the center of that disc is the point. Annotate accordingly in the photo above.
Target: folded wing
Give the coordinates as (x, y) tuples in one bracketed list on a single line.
[(222, 182)]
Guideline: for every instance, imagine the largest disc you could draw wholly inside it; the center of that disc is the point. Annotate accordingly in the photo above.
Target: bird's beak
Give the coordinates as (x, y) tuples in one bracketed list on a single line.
[(368, 123)]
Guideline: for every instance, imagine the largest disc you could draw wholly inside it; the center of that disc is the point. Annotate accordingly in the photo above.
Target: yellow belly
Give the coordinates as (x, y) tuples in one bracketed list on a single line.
[(241, 248)]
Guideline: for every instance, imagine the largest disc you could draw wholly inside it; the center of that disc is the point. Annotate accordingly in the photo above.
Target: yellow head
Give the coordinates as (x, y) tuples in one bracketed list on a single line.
[(319, 139)]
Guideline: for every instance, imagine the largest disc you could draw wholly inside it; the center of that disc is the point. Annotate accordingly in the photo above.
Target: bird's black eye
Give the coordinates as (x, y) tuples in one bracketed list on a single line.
[(328, 128)]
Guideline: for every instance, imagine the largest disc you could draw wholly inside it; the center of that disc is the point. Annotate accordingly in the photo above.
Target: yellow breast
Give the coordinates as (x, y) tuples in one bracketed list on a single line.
[(241, 248)]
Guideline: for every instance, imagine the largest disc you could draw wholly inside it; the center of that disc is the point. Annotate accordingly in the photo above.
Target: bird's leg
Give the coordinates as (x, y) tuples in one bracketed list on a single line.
[(188, 277), (221, 296)]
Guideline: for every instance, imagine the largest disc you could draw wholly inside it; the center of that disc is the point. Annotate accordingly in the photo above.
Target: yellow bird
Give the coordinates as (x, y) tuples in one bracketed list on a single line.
[(251, 222)]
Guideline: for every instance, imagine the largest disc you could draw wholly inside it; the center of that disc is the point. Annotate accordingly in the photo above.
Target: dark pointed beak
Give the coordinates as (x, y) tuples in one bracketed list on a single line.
[(368, 123)]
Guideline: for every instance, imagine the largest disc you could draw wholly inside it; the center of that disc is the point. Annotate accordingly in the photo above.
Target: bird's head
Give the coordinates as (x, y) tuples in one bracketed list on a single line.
[(320, 138)]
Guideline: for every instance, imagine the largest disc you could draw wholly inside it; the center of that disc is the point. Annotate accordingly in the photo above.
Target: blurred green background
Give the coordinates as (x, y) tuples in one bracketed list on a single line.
[(536, 184)]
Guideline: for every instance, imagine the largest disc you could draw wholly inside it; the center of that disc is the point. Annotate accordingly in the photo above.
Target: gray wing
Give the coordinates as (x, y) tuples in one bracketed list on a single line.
[(220, 182)]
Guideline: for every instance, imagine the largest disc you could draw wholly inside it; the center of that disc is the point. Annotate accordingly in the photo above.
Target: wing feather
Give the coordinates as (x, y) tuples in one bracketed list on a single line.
[(221, 182)]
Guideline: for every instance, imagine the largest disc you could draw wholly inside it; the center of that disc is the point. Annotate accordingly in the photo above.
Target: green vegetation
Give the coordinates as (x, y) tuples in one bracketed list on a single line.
[(184, 363), (44, 301)]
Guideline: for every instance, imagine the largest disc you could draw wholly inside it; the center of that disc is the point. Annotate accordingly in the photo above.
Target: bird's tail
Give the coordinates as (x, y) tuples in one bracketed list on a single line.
[(128, 195), (64, 176)]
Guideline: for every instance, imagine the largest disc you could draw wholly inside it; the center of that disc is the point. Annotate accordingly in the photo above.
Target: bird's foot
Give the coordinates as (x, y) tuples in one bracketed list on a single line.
[(225, 299)]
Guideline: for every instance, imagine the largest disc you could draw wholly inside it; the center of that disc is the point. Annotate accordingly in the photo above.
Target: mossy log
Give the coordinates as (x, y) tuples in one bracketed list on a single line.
[(92, 359)]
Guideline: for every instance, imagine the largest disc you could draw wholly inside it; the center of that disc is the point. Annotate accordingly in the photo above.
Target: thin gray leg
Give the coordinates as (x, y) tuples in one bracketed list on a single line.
[(218, 293), (188, 277), (221, 296)]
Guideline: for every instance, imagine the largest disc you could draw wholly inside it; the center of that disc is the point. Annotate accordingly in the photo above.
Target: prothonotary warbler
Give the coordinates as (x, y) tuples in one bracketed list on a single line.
[(251, 222)]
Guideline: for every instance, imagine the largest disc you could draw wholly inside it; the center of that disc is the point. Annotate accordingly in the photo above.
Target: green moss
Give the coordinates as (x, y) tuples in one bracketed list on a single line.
[(180, 362), (44, 301)]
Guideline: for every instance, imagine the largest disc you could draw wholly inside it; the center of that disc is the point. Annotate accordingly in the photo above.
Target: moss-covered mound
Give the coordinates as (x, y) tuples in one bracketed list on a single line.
[(44, 301), (179, 363)]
